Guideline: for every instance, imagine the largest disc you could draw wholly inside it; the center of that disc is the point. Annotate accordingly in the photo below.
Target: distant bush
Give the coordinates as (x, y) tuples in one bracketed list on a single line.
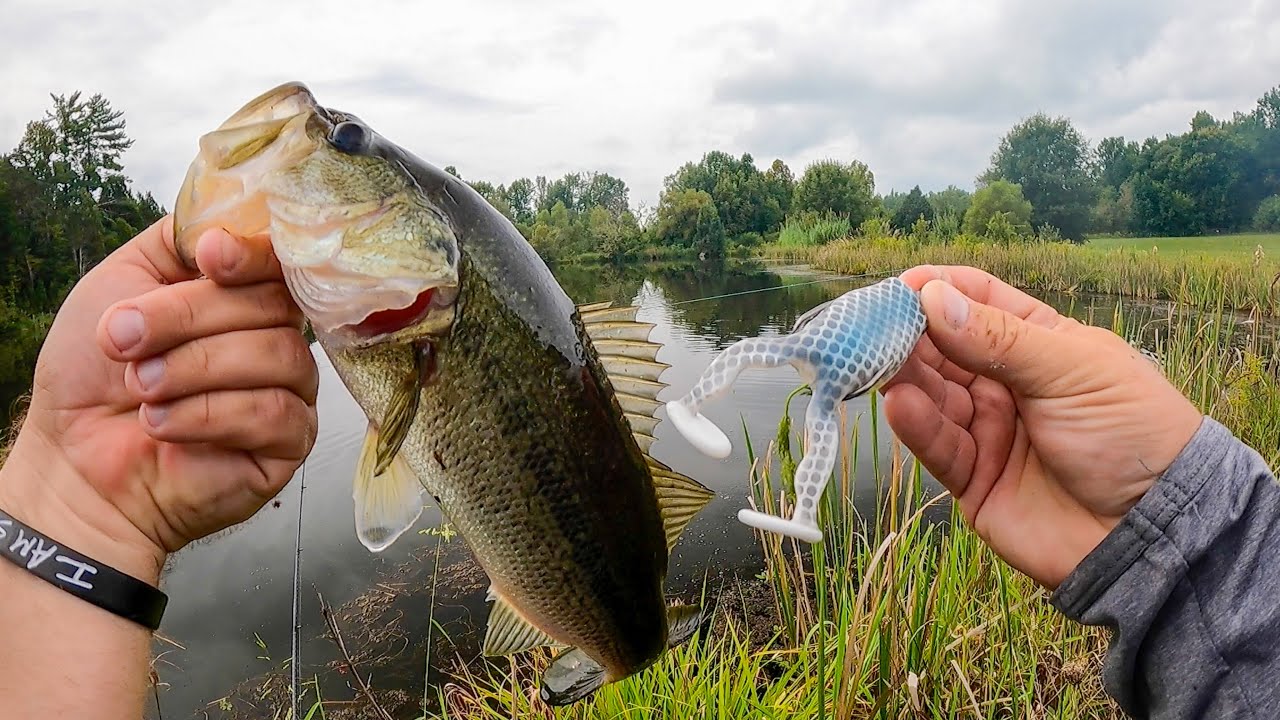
[(1267, 219), (1000, 198), (811, 229)]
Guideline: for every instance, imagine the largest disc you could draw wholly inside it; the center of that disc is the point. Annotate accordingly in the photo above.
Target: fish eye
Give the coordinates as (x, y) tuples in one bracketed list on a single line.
[(349, 137)]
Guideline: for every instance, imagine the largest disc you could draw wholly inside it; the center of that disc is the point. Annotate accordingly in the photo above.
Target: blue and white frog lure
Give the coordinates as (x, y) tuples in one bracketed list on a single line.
[(842, 349)]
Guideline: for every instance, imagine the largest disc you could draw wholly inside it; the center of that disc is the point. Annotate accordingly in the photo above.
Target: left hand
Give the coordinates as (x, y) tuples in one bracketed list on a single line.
[(166, 406)]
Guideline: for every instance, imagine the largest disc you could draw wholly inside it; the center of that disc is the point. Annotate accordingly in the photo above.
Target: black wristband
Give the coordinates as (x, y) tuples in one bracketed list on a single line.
[(84, 577)]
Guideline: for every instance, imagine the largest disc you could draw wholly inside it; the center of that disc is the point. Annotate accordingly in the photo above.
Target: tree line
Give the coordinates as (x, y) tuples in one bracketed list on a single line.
[(1044, 180), (66, 202)]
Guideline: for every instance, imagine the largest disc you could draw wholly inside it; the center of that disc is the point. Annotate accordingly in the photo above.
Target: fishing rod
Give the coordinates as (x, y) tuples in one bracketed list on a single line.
[(297, 585), (785, 287)]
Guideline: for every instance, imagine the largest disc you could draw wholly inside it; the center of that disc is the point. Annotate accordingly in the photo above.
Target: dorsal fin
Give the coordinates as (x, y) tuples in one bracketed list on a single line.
[(680, 498), (605, 312), (644, 440), (637, 386), (619, 330), (630, 360), (508, 632)]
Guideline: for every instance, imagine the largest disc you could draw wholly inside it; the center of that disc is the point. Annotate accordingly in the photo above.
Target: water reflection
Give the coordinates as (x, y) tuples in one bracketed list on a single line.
[(234, 590)]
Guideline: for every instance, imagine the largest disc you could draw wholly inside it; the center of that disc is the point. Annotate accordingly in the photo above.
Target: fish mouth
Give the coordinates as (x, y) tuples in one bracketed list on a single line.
[(428, 317), (268, 130), (366, 255)]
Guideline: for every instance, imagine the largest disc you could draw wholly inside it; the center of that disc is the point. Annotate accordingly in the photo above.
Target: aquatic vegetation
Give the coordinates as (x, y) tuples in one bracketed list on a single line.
[(905, 613), (1243, 282)]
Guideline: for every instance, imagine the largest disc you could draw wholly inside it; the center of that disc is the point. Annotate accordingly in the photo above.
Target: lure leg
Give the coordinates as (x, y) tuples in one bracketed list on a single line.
[(822, 440), (716, 380)]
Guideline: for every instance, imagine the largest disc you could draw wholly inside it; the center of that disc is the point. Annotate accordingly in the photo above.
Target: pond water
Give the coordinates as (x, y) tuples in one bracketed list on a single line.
[(226, 635)]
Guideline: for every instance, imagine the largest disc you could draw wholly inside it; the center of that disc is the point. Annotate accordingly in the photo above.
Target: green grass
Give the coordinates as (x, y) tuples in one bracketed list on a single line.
[(808, 230), (1241, 245), (902, 618), (1238, 281)]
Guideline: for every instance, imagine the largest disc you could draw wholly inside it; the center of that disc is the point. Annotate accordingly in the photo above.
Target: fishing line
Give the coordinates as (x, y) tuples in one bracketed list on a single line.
[(786, 287), (297, 581)]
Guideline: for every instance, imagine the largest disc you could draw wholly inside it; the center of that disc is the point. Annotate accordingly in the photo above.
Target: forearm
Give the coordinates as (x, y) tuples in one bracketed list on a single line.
[(1189, 582), (62, 656)]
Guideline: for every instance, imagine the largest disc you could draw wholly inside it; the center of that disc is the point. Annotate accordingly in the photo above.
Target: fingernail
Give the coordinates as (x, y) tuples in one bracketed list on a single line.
[(155, 414), (150, 371), (955, 307), (125, 327), (228, 254)]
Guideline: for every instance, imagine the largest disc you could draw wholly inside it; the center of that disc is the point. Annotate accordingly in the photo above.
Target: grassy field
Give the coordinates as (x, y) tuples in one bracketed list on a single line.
[(1239, 281), (1241, 245)]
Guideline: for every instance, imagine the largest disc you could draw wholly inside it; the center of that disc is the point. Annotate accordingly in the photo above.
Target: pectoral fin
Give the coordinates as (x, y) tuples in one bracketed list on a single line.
[(399, 416), (387, 503)]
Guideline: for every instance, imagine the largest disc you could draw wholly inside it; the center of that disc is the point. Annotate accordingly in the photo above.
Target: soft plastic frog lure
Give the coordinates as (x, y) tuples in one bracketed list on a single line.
[(843, 348)]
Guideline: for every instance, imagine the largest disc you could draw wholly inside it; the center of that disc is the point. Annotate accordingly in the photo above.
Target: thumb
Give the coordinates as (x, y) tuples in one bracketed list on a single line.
[(986, 340)]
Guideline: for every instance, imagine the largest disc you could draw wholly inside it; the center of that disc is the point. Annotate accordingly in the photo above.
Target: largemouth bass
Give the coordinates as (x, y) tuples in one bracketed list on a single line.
[(527, 418)]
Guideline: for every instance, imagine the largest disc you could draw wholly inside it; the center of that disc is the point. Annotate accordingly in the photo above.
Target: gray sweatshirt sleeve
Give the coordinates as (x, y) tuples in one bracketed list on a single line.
[(1189, 584)]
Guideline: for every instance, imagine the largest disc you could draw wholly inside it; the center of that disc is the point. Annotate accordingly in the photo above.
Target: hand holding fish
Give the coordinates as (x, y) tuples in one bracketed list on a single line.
[(191, 407), (1046, 431), (167, 406)]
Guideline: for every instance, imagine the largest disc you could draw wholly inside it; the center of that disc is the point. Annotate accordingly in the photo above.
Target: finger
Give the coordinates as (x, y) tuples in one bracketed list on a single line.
[(985, 288), (930, 355), (996, 343), (153, 251), (993, 430), (943, 447), (269, 421), (951, 399), (230, 260), (171, 315), (240, 360)]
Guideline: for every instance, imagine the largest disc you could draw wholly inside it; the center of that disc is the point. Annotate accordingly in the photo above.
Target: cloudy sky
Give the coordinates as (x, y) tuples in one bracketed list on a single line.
[(920, 90)]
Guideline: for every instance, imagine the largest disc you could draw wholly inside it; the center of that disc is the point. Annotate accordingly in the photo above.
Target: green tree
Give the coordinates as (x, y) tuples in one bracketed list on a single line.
[(566, 191), (605, 191), (780, 185), (1049, 159), (1267, 219), (1003, 198), (1204, 180), (616, 237), (952, 200), (1113, 213), (688, 219), (519, 196), (846, 189), (744, 198), (1114, 161), (913, 207)]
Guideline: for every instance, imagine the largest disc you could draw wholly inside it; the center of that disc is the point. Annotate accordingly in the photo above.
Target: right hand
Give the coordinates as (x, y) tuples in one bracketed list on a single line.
[(1046, 431)]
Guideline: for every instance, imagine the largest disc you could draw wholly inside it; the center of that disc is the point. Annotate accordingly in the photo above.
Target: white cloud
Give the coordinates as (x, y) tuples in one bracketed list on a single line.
[(920, 90)]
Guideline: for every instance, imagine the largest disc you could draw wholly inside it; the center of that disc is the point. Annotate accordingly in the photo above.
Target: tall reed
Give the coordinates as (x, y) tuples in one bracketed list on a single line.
[(903, 612), (1199, 280)]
